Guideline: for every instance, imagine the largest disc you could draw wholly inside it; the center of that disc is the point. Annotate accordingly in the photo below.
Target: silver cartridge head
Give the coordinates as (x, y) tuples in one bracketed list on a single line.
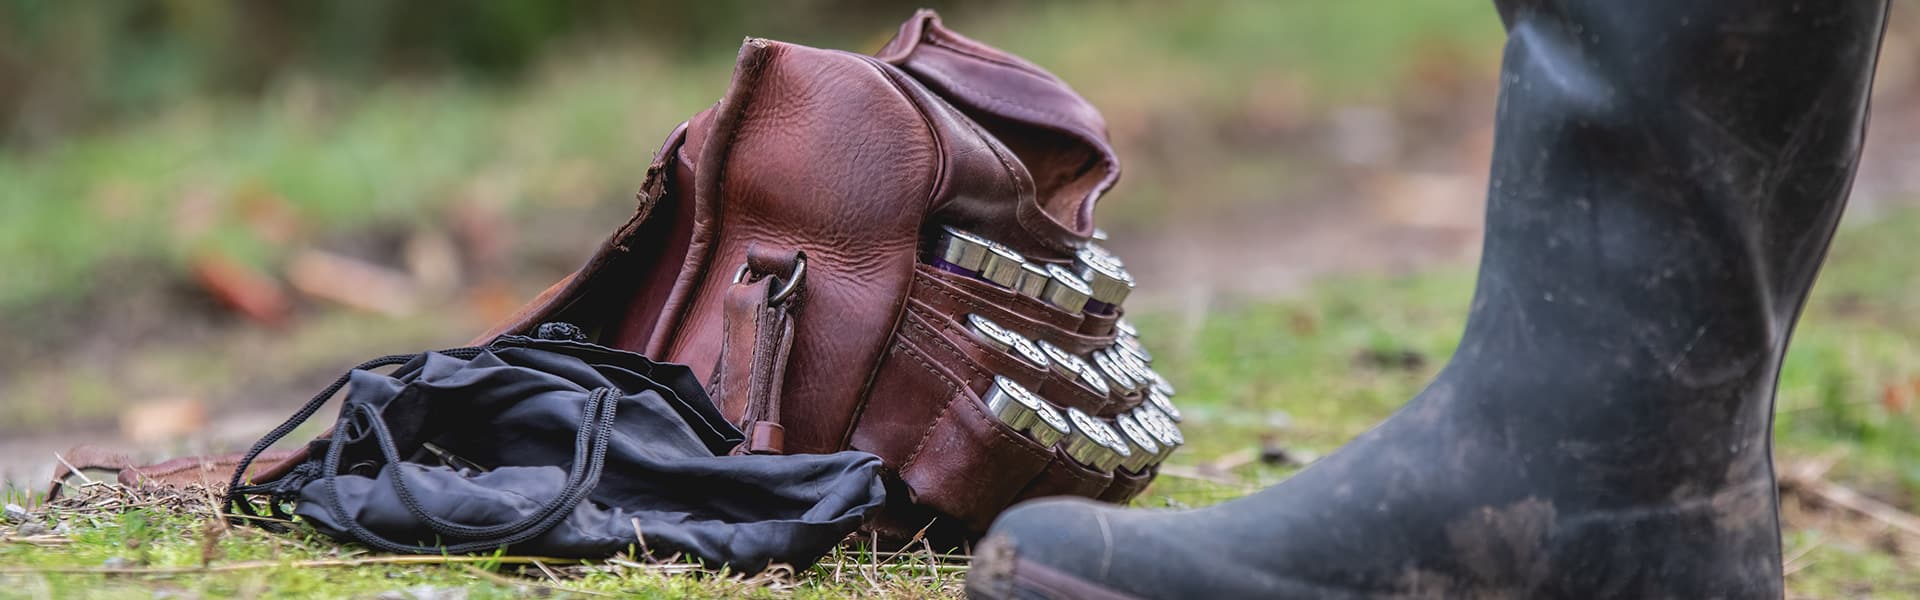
[(1025, 411), (1073, 367), (1135, 367), (1146, 449), (1033, 280), (960, 249), (1062, 361), (1094, 443), (1117, 374), (1110, 280), (1162, 428), (1160, 383), (1103, 253), (1132, 346), (1065, 289), (1005, 340), (1163, 403), (1003, 266)]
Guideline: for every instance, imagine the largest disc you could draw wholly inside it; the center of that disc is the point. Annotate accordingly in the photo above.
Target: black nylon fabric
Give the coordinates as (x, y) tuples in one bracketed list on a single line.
[(488, 445)]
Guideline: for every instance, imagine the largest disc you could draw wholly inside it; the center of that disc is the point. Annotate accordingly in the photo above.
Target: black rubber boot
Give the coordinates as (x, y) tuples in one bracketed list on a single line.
[(1666, 177)]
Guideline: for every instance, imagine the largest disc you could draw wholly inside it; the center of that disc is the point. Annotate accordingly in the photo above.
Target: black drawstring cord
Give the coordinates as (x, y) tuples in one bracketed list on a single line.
[(541, 521), (236, 499), (591, 441), (590, 452)]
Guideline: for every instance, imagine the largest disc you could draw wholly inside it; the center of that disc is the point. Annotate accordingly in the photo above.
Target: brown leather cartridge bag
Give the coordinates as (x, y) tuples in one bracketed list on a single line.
[(776, 247)]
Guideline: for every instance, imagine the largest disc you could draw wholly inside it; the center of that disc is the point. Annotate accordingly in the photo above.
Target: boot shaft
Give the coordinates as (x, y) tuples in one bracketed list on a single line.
[(1666, 178)]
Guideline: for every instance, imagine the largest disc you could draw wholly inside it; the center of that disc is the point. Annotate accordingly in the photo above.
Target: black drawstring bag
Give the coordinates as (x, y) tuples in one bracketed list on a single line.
[(557, 447)]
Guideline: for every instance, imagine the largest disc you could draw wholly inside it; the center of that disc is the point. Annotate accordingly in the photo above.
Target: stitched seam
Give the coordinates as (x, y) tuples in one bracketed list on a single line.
[(1104, 406), (953, 330), (721, 372), (954, 396), (923, 329), (995, 148), (913, 456), (1044, 232), (970, 303), (1082, 474), (1091, 139), (1030, 113), (865, 397), (1020, 443), (892, 76), (731, 135), (1095, 404), (934, 39), (1129, 485)]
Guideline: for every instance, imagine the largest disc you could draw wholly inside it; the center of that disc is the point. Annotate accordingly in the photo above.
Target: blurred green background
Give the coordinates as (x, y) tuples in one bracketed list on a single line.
[(208, 208)]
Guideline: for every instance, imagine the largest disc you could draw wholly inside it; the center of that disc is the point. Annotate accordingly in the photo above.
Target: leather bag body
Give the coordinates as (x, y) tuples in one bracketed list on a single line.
[(775, 252)]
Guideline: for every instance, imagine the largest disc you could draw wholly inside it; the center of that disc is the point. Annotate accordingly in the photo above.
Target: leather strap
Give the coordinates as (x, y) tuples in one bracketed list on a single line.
[(756, 340), (209, 471)]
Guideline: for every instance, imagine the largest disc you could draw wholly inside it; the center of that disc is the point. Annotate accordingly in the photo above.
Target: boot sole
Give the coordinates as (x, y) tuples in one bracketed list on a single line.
[(1005, 576)]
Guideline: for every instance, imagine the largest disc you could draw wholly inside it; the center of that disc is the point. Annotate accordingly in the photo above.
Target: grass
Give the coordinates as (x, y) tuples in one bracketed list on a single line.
[(126, 544), (1293, 371)]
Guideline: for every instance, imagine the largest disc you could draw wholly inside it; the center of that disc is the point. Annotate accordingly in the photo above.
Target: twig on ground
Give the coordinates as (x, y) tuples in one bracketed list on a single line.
[(918, 536), (1792, 564), (1186, 472), (1233, 460), (669, 568), (837, 566), (872, 584), (548, 571), (1808, 481), (641, 538), (942, 557), (71, 470), (257, 518)]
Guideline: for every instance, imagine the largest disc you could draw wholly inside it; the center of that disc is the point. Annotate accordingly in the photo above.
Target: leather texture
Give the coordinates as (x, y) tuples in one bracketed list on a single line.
[(203, 471), (756, 344), (1057, 136), (850, 160)]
